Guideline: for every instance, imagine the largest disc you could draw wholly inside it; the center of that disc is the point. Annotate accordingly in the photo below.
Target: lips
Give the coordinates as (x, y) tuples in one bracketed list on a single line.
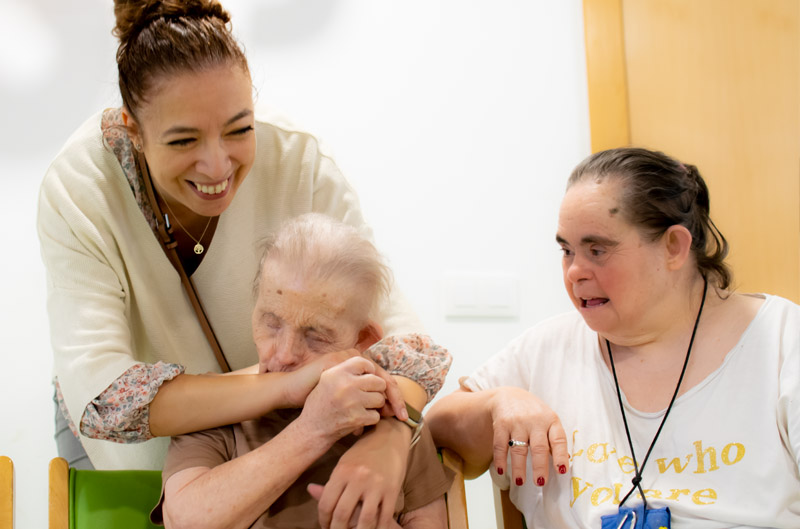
[(211, 189), (589, 303)]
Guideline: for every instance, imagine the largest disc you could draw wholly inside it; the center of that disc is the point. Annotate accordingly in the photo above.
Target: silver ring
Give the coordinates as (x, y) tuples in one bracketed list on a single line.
[(514, 442)]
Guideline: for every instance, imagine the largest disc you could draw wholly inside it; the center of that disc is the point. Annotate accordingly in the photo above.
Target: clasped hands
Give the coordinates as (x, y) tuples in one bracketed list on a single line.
[(341, 393)]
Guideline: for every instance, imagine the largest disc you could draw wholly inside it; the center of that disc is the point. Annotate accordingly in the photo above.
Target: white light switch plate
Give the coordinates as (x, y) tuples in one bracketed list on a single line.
[(481, 294)]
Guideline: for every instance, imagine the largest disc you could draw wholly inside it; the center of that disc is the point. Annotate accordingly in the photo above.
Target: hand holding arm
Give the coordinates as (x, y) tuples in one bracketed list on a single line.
[(345, 400), (418, 366), (236, 492), (190, 403)]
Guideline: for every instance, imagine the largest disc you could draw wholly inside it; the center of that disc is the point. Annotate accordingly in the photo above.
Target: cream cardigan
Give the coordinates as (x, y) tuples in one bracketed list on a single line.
[(115, 300)]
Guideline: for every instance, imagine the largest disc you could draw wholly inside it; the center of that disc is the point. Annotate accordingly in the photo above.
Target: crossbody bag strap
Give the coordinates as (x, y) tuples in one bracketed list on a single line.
[(168, 244)]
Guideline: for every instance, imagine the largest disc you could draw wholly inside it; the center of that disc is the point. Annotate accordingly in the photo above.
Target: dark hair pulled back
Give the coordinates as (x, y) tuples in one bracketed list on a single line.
[(160, 38), (658, 191)]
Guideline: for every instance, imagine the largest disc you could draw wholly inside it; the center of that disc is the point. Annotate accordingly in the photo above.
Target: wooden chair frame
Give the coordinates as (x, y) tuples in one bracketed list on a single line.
[(58, 494), (456, 497), (506, 513)]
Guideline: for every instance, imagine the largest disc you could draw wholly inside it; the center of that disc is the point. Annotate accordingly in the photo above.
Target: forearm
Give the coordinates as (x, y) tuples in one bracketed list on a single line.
[(250, 370), (462, 422), (189, 403), (413, 393), (236, 493), (391, 432), (369, 474)]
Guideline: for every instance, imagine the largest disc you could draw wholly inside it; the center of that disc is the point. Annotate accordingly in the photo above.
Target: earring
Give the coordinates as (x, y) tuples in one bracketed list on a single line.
[(137, 146)]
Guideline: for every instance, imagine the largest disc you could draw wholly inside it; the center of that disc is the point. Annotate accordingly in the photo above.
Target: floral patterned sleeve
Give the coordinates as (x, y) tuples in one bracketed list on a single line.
[(413, 356), (121, 413)]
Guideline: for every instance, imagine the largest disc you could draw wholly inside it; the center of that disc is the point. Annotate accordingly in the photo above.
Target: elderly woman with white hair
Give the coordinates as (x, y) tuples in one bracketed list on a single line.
[(318, 290)]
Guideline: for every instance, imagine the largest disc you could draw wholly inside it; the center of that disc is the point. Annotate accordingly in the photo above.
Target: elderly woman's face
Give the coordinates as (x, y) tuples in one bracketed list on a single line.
[(197, 135), (611, 273), (295, 319)]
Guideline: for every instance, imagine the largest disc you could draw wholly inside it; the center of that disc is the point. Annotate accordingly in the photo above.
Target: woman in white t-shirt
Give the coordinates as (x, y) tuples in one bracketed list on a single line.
[(672, 396)]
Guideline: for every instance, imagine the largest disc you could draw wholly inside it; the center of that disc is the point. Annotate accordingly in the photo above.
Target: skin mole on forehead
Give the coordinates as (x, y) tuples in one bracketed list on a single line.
[(613, 211), (280, 292)]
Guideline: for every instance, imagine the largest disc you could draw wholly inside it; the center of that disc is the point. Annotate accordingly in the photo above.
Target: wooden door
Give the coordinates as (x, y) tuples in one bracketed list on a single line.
[(715, 83)]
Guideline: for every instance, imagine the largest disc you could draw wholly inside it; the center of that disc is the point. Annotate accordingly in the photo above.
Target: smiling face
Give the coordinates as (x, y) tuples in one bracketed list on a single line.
[(612, 274), (296, 319), (197, 134)]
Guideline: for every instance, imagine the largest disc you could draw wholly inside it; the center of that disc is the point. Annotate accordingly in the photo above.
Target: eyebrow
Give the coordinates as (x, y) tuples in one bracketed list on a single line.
[(179, 129), (590, 239)]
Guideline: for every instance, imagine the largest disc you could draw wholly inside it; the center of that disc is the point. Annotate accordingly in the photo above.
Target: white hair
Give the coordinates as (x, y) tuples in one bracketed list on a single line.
[(319, 247)]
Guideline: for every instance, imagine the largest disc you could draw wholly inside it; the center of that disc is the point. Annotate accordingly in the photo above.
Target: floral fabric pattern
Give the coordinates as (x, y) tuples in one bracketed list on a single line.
[(121, 413), (413, 356)]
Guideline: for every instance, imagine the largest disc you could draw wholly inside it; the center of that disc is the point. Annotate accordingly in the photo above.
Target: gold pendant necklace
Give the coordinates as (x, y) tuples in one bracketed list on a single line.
[(198, 248)]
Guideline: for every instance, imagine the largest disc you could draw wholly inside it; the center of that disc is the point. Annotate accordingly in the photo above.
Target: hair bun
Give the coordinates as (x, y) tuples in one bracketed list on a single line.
[(134, 15), (698, 187)]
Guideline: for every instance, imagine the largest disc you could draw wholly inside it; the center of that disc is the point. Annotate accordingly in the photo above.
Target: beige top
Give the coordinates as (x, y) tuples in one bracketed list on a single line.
[(115, 300), (426, 479)]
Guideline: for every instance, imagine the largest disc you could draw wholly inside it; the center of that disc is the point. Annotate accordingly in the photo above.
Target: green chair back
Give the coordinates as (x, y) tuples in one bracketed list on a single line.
[(121, 499)]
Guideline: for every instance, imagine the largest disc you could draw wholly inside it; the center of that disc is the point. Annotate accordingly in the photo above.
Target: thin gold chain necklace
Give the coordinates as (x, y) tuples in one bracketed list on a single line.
[(198, 248)]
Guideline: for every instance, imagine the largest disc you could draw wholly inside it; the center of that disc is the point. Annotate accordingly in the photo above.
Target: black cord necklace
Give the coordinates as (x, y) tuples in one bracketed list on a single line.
[(637, 478)]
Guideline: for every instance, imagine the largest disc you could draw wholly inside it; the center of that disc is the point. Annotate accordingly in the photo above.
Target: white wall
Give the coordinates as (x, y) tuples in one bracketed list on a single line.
[(457, 122)]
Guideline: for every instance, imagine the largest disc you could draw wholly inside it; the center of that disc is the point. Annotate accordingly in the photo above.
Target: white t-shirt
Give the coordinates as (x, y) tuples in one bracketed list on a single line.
[(728, 455)]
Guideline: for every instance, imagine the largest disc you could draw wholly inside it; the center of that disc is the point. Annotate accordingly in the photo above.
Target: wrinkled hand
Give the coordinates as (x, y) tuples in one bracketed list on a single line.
[(345, 399), (395, 405), (316, 492), (517, 414), (363, 488), (305, 379)]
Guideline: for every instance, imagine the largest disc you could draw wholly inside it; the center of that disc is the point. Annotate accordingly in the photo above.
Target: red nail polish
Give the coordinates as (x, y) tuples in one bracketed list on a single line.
[(540, 481), (519, 482), (562, 469), (500, 471)]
